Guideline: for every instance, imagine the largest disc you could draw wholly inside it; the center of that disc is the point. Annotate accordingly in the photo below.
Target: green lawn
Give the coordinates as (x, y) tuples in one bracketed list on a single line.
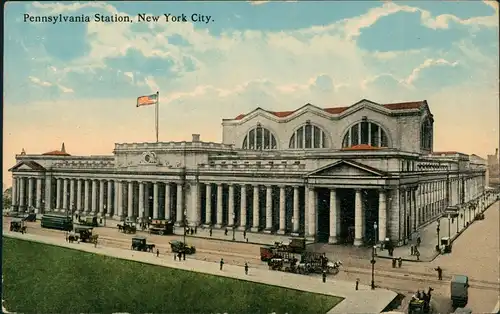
[(48, 279)]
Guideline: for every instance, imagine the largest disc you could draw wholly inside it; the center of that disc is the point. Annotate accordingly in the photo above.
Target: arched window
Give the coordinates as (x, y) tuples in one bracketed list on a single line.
[(365, 132), (259, 138), (308, 136), (426, 134)]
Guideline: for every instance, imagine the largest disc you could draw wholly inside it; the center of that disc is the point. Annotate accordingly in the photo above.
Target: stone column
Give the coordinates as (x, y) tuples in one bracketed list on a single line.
[(195, 205), (86, 196), (65, 194), (72, 195), (282, 210), (358, 219), (311, 212), (230, 205), (255, 205), (147, 210), (38, 196), (141, 200), (94, 197), (101, 198), (208, 204), (58, 194), (219, 206), (180, 200), (168, 213), (117, 212), (30, 192), (243, 208), (382, 215), (109, 202), (48, 194), (130, 200), (14, 193), (22, 198), (155, 200), (333, 217), (296, 212), (79, 196), (269, 208)]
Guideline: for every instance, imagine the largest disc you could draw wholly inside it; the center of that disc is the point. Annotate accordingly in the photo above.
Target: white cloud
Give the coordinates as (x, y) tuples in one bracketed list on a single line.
[(39, 82), (65, 89), (426, 64), (258, 2)]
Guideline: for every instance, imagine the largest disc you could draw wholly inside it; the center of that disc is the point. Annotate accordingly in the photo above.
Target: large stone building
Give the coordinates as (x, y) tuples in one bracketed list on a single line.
[(353, 174)]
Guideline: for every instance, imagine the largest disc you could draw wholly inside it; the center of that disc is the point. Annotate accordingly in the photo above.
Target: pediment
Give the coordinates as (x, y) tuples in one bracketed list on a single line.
[(346, 168), (28, 165)]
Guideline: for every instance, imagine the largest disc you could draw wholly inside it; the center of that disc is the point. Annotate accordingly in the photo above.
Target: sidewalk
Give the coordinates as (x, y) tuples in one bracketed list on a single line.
[(429, 237), (218, 234), (364, 300)]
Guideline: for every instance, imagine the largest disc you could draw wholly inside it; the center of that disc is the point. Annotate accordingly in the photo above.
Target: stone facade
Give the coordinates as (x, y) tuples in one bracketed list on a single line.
[(358, 174)]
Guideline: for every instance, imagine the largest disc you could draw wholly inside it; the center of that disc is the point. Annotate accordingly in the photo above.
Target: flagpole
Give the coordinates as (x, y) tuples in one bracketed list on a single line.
[(157, 113)]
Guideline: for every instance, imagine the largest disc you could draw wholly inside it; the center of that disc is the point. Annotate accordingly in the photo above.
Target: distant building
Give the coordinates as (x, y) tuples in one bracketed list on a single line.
[(353, 174), (493, 173)]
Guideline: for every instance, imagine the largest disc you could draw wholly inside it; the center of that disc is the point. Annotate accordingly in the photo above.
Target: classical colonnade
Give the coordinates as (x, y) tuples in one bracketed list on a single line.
[(175, 200)]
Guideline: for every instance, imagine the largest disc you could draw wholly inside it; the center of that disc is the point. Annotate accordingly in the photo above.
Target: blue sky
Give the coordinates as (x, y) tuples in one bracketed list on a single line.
[(78, 81)]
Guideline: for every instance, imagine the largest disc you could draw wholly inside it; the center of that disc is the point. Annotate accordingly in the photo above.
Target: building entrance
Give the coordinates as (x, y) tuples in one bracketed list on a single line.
[(323, 208), (346, 215), (370, 209)]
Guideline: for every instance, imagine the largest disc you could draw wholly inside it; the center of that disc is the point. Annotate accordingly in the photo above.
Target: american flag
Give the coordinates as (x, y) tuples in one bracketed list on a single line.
[(147, 100)]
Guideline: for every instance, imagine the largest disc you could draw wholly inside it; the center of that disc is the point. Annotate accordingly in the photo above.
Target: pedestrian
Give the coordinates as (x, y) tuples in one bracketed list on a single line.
[(221, 263), (210, 231), (225, 232), (179, 255), (400, 262), (418, 295), (175, 256), (412, 250), (246, 268), (195, 229), (95, 243), (440, 273), (157, 253), (247, 240), (324, 276), (418, 255), (184, 255), (393, 262), (244, 234), (419, 241), (357, 283)]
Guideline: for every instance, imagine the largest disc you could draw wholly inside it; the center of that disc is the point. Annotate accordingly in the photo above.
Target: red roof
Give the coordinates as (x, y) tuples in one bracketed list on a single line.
[(338, 110), (445, 153), (56, 153), (361, 147)]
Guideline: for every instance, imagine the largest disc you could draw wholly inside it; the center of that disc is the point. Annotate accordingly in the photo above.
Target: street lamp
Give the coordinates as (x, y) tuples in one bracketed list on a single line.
[(104, 214), (373, 267), (375, 227), (449, 226), (438, 222), (185, 226), (234, 224)]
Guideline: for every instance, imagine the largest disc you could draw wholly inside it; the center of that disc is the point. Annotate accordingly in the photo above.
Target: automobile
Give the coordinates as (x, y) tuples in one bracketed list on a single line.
[(88, 221), (181, 247), (139, 244), (17, 225), (161, 227), (459, 290)]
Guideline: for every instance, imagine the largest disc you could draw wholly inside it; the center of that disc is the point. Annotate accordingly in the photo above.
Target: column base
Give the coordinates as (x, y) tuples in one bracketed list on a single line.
[(241, 228), (218, 226), (208, 225), (254, 229), (268, 231), (358, 242), (295, 234), (332, 240), (281, 232), (178, 224), (116, 218), (311, 238)]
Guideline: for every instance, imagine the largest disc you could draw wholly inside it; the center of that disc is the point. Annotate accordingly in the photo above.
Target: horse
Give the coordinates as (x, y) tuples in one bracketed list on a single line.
[(334, 266), (93, 238), (72, 237)]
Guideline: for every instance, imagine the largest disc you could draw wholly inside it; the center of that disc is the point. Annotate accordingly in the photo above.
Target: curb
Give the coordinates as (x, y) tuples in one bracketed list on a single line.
[(218, 239)]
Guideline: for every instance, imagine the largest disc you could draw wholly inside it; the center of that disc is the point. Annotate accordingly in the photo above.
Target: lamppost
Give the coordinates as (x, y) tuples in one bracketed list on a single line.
[(104, 215), (234, 224), (375, 227), (185, 226), (438, 222), (458, 217), (373, 267)]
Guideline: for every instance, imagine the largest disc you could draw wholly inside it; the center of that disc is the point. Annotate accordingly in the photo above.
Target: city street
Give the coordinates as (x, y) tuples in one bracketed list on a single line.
[(474, 254)]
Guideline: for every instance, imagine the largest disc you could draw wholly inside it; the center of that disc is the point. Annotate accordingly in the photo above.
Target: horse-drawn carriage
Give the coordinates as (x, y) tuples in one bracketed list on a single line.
[(317, 263), (139, 244), (17, 225), (181, 247), (127, 227), (479, 216)]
